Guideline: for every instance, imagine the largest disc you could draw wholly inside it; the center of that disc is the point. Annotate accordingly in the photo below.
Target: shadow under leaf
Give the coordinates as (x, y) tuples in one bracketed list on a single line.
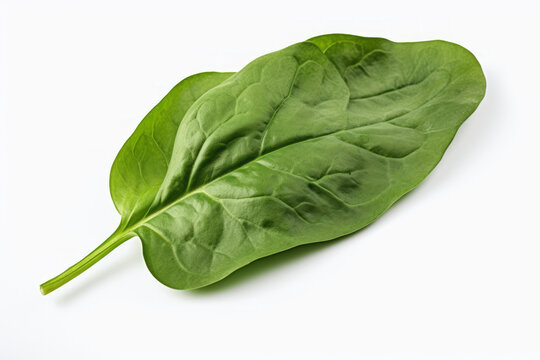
[(265, 265)]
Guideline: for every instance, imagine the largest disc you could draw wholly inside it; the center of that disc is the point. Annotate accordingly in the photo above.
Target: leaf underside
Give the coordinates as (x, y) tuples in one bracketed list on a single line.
[(303, 145)]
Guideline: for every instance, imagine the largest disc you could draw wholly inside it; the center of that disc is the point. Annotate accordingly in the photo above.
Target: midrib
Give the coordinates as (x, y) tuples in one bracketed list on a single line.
[(200, 189)]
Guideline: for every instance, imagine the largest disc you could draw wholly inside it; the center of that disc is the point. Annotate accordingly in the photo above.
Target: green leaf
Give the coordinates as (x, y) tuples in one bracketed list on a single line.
[(303, 145)]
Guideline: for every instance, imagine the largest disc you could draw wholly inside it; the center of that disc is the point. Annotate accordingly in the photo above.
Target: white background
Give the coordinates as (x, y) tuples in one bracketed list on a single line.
[(450, 272)]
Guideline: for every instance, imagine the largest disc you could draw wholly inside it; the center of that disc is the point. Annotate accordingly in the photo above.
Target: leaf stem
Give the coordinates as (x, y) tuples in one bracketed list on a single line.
[(116, 239)]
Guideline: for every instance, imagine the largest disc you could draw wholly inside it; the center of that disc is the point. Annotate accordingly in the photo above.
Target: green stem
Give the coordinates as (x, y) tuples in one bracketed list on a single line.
[(106, 247)]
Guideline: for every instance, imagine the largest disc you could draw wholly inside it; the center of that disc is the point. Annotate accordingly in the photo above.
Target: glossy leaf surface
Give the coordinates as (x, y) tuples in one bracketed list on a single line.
[(303, 145)]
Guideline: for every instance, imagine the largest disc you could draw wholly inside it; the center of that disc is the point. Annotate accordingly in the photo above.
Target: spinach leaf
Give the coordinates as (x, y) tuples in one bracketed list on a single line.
[(303, 145)]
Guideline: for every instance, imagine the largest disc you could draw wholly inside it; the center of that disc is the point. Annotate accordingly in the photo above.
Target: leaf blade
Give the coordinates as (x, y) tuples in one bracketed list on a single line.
[(382, 155)]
